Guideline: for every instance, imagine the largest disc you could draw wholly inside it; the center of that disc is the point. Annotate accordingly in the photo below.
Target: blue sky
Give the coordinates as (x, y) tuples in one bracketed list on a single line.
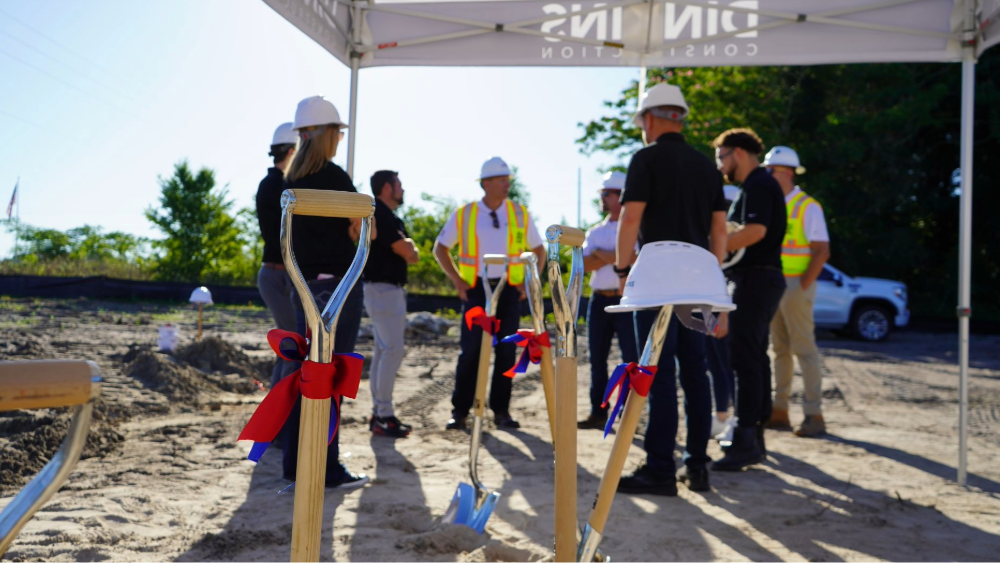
[(99, 98)]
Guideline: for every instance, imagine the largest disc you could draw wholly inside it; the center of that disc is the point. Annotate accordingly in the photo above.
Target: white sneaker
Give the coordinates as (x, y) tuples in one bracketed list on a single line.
[(718, 426)]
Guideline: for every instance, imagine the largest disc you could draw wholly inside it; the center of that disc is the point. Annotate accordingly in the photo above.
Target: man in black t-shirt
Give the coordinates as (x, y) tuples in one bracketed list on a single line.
[(758, 286), (272, 281), (672, 192), (385, 300)]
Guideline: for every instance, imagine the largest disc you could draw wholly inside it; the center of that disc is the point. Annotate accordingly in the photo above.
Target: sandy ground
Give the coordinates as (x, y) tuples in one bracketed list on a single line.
[(166, 480)]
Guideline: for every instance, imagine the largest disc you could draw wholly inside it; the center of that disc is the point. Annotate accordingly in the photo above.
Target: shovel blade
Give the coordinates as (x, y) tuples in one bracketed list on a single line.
[(463, 511), (462, 506)]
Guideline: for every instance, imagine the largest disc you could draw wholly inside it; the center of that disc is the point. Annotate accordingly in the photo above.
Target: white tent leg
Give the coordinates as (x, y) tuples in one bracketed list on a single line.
[(353, 115), (965, 237)]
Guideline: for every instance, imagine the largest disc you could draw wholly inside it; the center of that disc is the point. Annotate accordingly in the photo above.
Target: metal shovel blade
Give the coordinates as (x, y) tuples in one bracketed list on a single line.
[(463, 511)]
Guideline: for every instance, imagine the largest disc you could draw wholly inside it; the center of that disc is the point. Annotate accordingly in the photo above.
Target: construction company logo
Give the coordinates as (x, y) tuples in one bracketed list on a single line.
[(680, 23)]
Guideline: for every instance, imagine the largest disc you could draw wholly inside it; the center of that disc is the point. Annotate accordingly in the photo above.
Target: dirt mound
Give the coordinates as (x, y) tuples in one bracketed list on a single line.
[(444, 539), (216, 356), (21, 345), (178, 382)]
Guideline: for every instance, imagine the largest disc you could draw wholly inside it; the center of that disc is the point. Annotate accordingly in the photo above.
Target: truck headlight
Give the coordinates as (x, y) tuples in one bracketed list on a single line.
[(900, 292)]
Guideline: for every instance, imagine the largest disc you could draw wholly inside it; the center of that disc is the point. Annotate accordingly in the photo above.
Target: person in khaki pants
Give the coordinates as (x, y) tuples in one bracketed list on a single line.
[(804, 251)]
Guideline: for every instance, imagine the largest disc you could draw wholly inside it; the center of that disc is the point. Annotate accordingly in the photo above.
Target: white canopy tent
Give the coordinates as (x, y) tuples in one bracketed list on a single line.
[(676, 33)]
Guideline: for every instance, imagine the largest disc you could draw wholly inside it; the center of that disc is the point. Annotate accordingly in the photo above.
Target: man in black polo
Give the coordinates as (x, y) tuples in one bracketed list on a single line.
[(758, 286), (672, 192), (385, 300)]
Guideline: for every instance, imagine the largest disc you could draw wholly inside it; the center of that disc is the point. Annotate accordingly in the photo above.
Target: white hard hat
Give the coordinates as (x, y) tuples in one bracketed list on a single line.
[(614, 181), (662, 94), (201, 295), (674, 273), (731, 192), (494, 167), (784, 156), (284, 135), (316, 110)]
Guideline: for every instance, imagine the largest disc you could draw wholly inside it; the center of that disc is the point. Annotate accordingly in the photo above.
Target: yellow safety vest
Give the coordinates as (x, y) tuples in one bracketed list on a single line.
[(468, 246), (795, 251)]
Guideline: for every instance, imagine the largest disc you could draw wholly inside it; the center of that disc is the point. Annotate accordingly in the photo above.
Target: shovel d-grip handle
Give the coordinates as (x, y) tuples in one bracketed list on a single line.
[(533, 291), (40, 384), (634, 405), (329, 203), (307, 514), (565, 305)]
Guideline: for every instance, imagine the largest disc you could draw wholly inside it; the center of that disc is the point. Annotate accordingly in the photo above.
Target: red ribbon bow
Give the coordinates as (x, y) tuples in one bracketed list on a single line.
[(339, 378), (476, 316), (532, 349)]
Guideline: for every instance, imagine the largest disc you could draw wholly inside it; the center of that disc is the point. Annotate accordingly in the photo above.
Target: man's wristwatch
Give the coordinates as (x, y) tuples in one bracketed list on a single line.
[(622, 272)]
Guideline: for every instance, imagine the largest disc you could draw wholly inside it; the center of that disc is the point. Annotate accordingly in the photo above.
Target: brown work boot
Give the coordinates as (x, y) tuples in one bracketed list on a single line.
[(778, 421), (812, 426)]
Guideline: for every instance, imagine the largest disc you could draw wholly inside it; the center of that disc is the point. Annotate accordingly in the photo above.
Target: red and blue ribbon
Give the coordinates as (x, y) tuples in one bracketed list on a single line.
[(313, 380), (477, 316), (532, 349), (626, 377)]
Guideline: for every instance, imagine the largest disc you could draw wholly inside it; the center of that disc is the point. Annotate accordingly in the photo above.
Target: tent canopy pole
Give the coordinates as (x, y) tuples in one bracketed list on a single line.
[(965, 234), (352, 139)]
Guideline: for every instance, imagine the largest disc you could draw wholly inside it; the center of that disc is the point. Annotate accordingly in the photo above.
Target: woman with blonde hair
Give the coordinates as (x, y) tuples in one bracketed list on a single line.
[(324, 249)]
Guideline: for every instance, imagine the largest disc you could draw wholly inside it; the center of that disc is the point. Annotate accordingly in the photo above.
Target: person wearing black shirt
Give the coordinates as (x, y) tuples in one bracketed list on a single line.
[(324, 249), (672, 192), (272, 281), (758, 286), (385, 300)]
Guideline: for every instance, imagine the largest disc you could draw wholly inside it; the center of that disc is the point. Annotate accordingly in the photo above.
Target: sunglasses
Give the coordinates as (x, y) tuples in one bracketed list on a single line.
[(606, 193), (496, 220)]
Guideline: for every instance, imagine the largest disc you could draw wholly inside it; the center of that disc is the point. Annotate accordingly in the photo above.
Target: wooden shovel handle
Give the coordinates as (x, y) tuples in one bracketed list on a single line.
[(38, 384), (565, 471), (310, 474), (634, 406), (571, 236), (329, 203)]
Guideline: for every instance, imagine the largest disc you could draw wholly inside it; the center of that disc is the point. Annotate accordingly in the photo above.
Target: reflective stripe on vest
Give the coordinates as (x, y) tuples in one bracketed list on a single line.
[(795, 251), (468, 248)]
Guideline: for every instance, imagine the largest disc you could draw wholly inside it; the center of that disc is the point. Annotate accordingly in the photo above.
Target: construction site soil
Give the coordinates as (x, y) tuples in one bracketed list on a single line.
[(162, 476)]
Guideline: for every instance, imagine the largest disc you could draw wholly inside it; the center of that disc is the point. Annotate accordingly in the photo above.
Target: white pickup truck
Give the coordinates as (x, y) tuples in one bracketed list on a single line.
[(868, 308)]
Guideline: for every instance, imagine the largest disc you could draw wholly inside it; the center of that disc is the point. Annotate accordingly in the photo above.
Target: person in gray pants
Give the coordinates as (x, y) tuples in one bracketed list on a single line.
[(272, 280), (385, 300)]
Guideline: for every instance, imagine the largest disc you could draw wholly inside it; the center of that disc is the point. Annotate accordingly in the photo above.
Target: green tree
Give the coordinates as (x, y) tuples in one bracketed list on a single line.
[(518, 191), (203, 242), (424, 226), (880, 143)]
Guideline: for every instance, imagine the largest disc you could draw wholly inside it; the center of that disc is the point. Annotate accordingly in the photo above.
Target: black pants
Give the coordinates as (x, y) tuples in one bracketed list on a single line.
[(601, 328), (720, 366), (345, 337), (688, 347), (757, 294), (509, 314)]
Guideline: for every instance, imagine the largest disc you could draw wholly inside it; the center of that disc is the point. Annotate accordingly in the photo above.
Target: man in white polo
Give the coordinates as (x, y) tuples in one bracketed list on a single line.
[(599, 258), (492, 225), (804, 251)]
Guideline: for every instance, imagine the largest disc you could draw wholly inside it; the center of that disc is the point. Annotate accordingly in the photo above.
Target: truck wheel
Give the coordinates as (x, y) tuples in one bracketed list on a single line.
[(871, 323)]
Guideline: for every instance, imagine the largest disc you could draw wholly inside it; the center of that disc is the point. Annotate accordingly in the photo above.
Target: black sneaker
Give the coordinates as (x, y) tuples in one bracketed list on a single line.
[(505, 421), (349, 481), (596, 421), (696, 478), (645, 482), (389, 426)]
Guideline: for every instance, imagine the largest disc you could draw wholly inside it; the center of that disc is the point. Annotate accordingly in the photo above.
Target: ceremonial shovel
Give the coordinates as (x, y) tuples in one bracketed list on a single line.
[(533, 288), (307, 519), (565, 305), (634, 405), (473, 504)]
